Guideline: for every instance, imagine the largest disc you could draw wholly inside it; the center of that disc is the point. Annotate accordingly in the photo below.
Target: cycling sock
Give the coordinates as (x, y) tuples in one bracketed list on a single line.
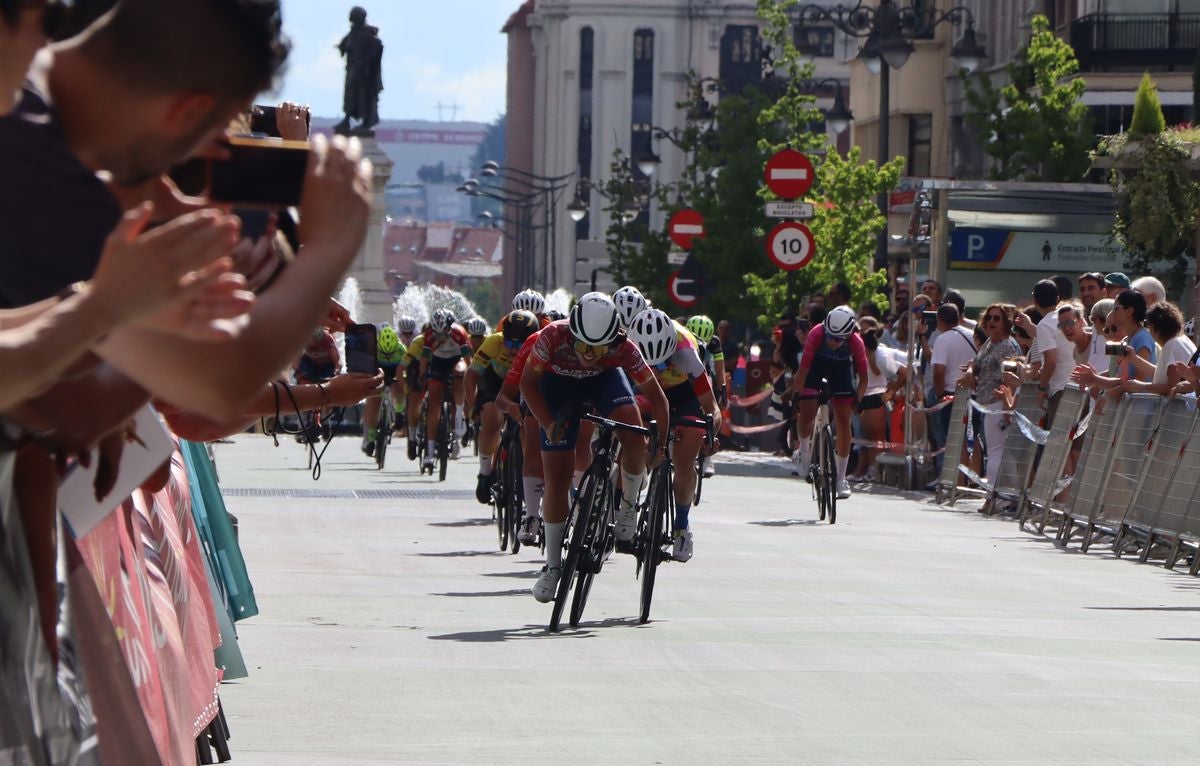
[(803, 455), (681, 516), (485, 465), (576, 478), (372, 434), (631, 484), (533, 496), (412, 433), (554, 540), (840, 462), (432, 449)]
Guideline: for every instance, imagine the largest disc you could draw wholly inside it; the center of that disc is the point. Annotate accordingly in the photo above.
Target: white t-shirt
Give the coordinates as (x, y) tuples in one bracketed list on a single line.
[(889, 361), (1049, 336), (1177, 349), (1096, 356), (953, 348)]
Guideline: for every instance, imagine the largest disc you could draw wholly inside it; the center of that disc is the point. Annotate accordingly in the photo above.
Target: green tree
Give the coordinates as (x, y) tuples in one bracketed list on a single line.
[(1148, 117), (1036, 127)]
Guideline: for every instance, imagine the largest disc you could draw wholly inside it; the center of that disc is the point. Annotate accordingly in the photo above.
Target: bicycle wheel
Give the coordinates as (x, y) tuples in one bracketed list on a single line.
[(818, 476), (514, 492), (444, 438), (699, 478), (651, 545), (829, 470), (582, 504), (382, 435), (596, 542), (500, 504)]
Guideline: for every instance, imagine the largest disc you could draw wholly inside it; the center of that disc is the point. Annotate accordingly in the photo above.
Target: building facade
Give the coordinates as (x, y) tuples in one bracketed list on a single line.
[(589, 77)]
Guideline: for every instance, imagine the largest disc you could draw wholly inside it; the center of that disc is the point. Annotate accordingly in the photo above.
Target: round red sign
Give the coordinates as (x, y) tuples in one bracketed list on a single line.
[(789, 174), (790, 245), (685, 226)]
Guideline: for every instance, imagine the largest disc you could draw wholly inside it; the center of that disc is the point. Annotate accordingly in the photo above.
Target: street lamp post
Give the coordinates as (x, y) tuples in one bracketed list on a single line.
[(888, 30), (548, 189), (524, 204)]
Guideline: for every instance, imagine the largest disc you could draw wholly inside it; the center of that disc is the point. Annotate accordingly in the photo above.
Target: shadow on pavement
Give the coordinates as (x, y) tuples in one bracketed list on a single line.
[(1146, 609), (787, 523), (458, 554), (462, 523), (531, 574), (509, 634), (484, 594)]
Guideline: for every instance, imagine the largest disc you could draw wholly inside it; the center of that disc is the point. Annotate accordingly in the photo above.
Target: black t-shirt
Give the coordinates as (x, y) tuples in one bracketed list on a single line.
[(55, 214)]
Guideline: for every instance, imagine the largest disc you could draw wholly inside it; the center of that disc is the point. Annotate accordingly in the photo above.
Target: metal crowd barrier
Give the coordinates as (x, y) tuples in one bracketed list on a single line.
[(947, 483), (1019, 451), (1047, 481), (1142, 413), (1088, 482), (1179, 520)]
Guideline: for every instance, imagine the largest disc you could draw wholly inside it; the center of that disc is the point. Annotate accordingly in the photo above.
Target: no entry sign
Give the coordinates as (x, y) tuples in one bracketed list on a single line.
[(683, 290), (789, 174), (685, 226), (790, 245)]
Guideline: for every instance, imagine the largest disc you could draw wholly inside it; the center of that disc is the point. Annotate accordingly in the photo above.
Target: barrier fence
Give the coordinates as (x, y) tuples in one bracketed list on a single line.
[(1121, 473)]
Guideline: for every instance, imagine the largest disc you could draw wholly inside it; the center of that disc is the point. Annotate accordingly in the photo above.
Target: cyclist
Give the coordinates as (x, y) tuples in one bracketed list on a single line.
[(508, 402), (445, 345), (415, 387), (629, 302), (320, 360), (834, 352), (583, 360), (713, 357), (406, 329), (671, 351), (389, 353), (477, 330), (490, 364), (527, 300)]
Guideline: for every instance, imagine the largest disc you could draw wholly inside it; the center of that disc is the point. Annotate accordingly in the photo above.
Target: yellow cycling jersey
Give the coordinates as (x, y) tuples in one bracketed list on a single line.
[(413, 352), (494, 354), (684, 364)]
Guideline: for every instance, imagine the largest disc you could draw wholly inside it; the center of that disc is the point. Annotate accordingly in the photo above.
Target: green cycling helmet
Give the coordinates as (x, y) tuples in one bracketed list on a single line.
[(702, 327), (388, 342)]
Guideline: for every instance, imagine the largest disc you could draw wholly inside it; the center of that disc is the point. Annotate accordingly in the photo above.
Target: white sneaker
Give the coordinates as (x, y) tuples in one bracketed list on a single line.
[(546, 585), (682, 549), (843, 490), (529, 531), (626, 524), (709, 468)]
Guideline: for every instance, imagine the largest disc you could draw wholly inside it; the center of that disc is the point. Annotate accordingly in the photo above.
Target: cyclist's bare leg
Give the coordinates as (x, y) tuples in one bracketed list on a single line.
[(436, 392), (633, 453), (532, 468), (459, 398), (583, 451), (841, 419), (806, 413), (370, 416), (557, 470), (686, 448), (491, 420), (413, 410)]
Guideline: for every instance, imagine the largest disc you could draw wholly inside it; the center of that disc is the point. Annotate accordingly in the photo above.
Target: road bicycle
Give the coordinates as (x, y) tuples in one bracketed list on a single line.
[(590, 521), (508, 489), (384, 426), (824, 466), (656, 521)]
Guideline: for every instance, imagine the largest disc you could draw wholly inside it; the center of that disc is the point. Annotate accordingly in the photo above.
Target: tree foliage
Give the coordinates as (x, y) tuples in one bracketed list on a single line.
[(1148, 119), (1036, 127)]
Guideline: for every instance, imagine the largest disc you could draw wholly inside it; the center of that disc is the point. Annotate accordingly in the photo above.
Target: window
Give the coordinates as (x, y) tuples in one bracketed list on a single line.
[(920, 145), (587, 46), (642, 114), (819, 40), (741, 57)]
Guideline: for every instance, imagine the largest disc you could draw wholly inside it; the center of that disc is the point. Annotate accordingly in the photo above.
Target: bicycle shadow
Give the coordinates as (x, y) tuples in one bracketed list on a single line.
[(502, 635), (531, 574), (486, 593), (463, 523), (788, 523), (456, 554)]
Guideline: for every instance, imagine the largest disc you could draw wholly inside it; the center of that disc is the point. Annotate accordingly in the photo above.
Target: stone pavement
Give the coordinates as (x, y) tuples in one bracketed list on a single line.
[(393, 631)]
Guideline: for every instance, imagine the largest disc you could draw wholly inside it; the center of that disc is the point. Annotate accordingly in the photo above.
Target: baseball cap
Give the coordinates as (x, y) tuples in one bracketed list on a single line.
[(1116, 279)]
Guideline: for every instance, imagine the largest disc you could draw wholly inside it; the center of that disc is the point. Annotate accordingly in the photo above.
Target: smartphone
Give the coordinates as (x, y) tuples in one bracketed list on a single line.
[(264, 119), (361, 341), (260, 172), (930, 318), (254, 222)]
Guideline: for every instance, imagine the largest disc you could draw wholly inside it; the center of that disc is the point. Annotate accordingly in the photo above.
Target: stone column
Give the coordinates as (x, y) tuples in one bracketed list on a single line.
[(368, 266)]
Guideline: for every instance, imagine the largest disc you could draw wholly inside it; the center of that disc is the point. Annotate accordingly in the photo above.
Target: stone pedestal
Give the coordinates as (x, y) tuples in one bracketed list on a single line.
[(368, 266)]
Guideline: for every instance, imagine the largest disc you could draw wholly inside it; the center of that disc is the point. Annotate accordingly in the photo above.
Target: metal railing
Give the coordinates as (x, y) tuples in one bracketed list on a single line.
[(1114, 41)]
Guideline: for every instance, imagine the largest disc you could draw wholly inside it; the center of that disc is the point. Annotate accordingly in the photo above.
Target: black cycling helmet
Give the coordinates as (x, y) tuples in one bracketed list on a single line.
[(519, 325)]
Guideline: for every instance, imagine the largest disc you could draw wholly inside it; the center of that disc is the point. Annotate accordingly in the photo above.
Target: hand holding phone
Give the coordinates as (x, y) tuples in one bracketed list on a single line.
[(361, 342)]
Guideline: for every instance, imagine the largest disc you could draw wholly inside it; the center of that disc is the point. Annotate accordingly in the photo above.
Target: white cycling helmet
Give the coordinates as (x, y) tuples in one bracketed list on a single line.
[(629, 302), (529, 300), (839, 322), (655, 335), (476, 326), (442, 320), (406, 324), (594, 320)]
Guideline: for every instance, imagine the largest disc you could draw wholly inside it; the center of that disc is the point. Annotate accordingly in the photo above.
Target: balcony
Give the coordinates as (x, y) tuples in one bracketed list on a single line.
[(1136, 41)]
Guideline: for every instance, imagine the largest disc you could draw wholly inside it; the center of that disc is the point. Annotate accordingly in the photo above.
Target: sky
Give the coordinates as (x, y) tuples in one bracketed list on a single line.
[(435, 52)]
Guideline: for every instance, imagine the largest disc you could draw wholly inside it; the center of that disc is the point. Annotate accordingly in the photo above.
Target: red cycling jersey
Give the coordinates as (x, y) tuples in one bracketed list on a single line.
[(816, 350), (452, 345), (512, 379), (555, 352)]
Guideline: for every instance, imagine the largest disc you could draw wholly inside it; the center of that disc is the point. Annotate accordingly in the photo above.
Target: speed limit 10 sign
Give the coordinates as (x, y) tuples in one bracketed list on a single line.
[(790, 245)]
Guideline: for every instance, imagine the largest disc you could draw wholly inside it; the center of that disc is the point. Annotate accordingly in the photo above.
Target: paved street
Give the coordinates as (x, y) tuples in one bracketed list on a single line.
[(392, 631)]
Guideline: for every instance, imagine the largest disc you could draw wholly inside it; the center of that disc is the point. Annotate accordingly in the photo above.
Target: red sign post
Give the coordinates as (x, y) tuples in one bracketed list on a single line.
[(790, 245), (686, 226), (682, 290), (789, 174)]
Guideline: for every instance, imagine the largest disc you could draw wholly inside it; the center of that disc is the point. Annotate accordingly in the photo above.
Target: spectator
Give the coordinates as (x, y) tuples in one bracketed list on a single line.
[(955, 297), (1054, 353), (1129, 313), (884, 376), (869, 309), (953, 352), (900, 298), (1065, 288), (932, 289), (1024, 329), (729, 347), (1164, 323), (1099, 312), (1091, 289), (1152, 289), (839, 295), (788, 345), (985, 378), (1114, 284), (1073, 327)]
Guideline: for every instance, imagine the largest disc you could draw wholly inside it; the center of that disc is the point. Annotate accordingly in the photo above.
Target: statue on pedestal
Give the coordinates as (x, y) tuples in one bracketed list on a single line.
[(363, 51)]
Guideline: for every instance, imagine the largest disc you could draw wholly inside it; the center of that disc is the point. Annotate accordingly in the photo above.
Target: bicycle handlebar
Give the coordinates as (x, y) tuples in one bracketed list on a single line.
[(618, 425)]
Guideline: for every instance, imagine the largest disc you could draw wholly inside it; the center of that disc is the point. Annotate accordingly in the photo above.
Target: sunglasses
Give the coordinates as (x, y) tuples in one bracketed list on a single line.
[(512, 344), (1068, 323), (587, 349), (1110, 328), (993, 318)]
